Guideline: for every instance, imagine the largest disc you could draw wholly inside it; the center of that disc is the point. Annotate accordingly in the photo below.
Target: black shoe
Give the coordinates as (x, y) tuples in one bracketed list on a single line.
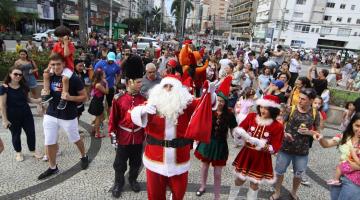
[(46, 98), (116, 191), (84, 162), (62, 104), (48, 172), (135, 186)]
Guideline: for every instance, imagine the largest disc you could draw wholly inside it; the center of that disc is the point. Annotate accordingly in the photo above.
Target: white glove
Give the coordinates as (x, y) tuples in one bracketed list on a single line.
[(261, 144), (253, 141), (149, 109), (213, 86), (240, 135)]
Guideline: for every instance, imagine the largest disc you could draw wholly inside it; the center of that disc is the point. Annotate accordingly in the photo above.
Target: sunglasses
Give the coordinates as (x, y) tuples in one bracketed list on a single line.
[(17, 74)]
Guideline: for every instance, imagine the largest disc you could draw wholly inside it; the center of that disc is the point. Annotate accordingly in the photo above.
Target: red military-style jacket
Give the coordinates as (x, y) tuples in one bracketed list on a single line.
[(120, 119)]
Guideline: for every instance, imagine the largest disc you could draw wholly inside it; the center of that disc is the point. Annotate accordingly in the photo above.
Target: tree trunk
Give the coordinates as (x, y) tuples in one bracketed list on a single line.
[(82, 23)]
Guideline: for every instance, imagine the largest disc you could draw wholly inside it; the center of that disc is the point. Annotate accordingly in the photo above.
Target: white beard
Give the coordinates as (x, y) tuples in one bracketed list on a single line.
[(170, 104)]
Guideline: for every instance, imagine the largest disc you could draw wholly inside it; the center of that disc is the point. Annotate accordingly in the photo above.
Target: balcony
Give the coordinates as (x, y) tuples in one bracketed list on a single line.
[(244, 10), (239, 2)]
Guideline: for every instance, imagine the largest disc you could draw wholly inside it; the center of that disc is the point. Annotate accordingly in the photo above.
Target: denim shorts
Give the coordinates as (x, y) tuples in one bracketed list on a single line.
[(299, 163), (346, 191)]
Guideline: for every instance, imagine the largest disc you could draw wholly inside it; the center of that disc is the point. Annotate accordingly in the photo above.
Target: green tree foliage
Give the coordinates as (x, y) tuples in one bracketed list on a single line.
[(8, 14), (176, 12)]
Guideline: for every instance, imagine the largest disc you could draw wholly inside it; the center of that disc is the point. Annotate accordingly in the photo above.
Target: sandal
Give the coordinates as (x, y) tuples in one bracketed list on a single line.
[(200, 193), (294, 197), (273, 198)]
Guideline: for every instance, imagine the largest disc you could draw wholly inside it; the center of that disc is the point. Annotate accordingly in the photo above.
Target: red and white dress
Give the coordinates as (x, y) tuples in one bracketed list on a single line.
[(256, 165)]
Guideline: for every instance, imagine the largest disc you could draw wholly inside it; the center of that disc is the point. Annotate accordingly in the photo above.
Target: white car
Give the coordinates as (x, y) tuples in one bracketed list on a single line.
[(143, 42), (39, 36)]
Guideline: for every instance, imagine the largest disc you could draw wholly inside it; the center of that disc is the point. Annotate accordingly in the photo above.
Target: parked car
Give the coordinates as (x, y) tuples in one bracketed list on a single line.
[(39, 36), (143, 42)]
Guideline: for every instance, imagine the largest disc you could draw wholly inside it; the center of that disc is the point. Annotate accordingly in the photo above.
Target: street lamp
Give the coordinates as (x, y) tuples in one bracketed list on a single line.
[(110, 24)]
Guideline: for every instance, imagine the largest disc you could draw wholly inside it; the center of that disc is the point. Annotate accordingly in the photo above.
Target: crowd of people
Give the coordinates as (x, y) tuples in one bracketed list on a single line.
[(260, 100)]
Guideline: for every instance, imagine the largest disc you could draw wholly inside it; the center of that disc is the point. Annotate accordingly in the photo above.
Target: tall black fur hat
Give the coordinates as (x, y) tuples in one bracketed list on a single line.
[(133, 67)]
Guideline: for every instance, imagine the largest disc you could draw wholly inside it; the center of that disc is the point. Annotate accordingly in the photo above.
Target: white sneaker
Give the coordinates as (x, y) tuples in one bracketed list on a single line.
[(19, 157), (45, 158)]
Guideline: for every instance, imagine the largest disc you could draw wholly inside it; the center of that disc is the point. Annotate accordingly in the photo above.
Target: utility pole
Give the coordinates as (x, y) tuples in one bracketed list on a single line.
[(110, 23), (60, 11), (281, 22), (213, 34), (82, 23), (130, 7)]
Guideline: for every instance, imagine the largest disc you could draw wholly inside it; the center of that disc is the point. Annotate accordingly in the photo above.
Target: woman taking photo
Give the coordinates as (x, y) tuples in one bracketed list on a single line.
[(28, 68), (16, 112), (349, 188), (295, 68)]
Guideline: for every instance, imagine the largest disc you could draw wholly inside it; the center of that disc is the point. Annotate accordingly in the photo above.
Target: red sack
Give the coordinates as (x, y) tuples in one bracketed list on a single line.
[(199, 127)]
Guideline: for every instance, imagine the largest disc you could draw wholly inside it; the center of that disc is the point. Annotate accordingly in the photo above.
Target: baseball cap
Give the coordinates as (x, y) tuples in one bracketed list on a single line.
[(278, 83), (111, 56)]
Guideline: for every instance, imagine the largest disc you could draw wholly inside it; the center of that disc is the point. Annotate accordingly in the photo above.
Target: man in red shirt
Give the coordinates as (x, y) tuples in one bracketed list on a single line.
[(129, 137), (66, 49)]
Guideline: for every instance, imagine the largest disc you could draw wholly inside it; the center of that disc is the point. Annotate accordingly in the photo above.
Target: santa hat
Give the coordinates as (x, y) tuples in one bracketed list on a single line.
[(224, 89), (172, 63), (188, 42), (269, 101), (172, 80), (133, 67)]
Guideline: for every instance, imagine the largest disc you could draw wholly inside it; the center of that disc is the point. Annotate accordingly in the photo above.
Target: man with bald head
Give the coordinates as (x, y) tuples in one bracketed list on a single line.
[(150, 79)]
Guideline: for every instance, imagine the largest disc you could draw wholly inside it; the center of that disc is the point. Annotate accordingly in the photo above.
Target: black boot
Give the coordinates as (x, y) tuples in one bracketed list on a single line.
[(135, 186), (118, 186)]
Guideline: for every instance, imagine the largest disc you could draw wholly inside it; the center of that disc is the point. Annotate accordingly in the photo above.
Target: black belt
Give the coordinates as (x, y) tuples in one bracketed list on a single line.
[(174, 143)]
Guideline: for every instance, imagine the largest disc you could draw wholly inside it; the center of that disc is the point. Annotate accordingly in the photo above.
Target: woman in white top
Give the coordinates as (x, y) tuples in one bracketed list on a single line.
[(295, 68)]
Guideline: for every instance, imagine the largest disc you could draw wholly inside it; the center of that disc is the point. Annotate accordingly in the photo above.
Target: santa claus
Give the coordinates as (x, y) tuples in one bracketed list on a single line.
[(165, 118)]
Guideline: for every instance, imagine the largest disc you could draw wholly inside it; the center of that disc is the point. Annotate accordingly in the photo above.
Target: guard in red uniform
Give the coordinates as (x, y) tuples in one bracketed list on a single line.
[(129, 136), (165, 118)]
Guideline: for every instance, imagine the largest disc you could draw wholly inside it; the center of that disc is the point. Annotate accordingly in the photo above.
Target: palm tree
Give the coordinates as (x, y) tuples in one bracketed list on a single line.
[(146, 16), (176, 11), (156, 17)]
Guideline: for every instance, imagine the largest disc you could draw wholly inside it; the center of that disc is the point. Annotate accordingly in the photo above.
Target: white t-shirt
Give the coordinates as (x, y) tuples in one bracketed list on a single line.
[(224, 62), (295, 66), (254, 63)]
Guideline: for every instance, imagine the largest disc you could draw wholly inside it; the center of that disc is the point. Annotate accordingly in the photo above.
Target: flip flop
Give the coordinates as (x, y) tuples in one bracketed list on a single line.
[(294, 197), (273, 198)]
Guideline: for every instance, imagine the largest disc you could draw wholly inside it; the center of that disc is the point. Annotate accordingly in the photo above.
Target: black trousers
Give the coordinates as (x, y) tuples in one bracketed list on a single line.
[(293, 78), (133, 153), (22, 119)]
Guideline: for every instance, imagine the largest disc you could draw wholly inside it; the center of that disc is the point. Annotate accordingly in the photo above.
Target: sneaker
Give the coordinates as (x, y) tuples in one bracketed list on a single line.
[(333, 182), (46, 98), (49, 172), (19, 157), (36, 155), (135, 186), (84, 162), (45, 158), (305, 182), (62, 104)]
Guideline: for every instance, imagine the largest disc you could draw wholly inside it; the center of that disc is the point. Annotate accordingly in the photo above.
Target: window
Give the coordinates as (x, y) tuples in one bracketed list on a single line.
[(325, 30), (355, 33), (317, 30), (312, 30), (298, 15), (352, 7), (344, 32), (330, 5), (339, 19), (301, 2), (349, 20), (358, 21), (302, 28), (327, 18), (342, 6)]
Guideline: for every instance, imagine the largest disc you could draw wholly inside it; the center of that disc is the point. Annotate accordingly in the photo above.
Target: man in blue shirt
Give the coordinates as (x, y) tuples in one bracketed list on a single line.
[(112, 73)]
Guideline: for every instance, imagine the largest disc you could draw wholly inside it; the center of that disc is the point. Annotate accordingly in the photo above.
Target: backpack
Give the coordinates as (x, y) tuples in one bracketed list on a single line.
[(314, 113)]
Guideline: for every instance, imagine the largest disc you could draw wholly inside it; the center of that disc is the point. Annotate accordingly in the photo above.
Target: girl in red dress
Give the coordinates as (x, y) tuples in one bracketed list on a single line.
[(262, 135)]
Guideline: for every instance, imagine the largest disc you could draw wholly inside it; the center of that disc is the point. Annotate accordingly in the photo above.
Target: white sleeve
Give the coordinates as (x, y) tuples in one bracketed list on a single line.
[(138, 117)]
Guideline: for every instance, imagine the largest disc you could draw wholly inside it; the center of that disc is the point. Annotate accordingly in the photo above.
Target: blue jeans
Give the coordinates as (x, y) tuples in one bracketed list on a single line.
[(299, 163), (346, 191)]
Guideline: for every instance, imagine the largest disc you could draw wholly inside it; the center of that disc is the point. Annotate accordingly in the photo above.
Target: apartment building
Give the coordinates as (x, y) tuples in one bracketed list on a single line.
[(309, 23), (243, 14)]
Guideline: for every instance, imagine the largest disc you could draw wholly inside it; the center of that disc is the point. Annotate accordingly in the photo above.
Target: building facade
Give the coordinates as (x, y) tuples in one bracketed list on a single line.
[(309, 23), (243, 15)]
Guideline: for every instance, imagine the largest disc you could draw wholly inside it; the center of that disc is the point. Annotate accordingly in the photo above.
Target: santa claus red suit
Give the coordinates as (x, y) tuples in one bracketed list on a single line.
[(262, 137), (129, 136), (167, 154)]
